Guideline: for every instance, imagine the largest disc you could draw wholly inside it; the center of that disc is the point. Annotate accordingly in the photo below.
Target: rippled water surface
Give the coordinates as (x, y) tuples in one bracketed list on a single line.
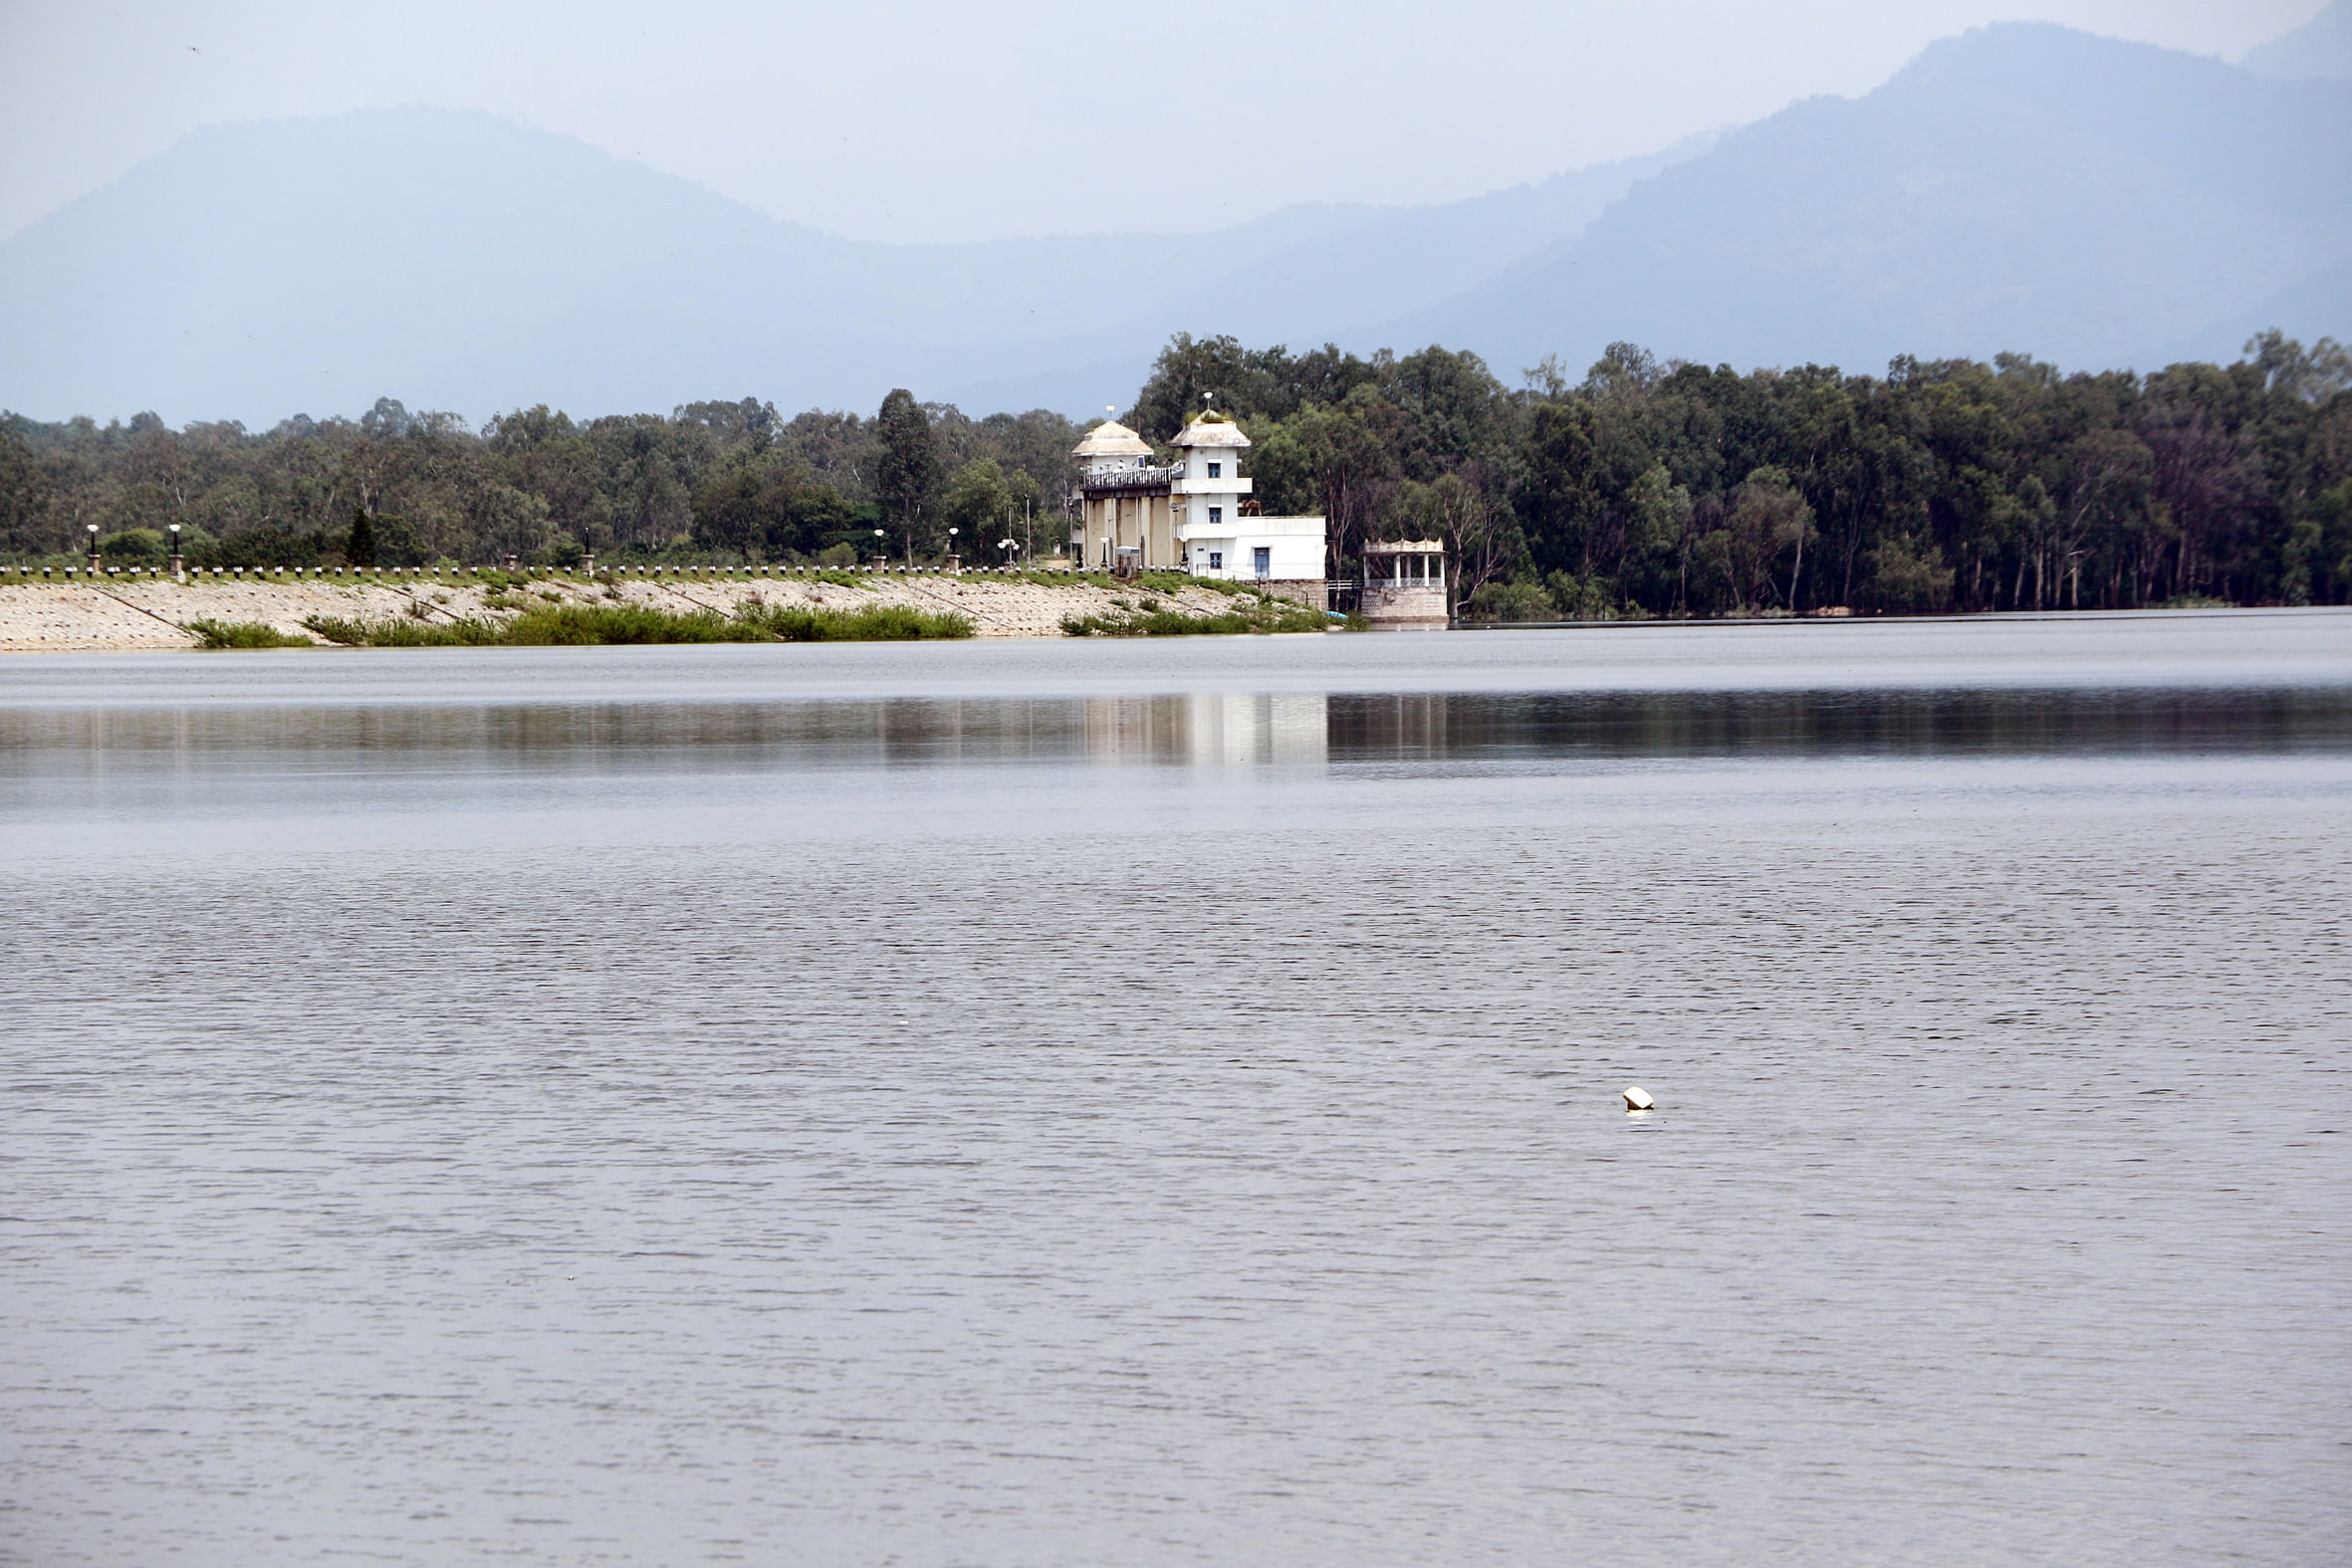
[(1093, 1103)]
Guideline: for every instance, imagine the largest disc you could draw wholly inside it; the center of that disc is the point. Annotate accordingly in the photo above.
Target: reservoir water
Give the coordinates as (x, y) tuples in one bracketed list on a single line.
[(1091, 1103)]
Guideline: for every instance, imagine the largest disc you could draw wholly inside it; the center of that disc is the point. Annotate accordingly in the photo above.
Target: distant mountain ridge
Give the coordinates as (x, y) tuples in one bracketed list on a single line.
[(460, 261), (2021, 187), (2321, 49)]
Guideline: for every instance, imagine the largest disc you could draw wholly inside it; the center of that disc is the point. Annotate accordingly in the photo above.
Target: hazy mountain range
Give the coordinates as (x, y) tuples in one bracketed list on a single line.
[(2025, 187), (2320, 48), (2093, 202)]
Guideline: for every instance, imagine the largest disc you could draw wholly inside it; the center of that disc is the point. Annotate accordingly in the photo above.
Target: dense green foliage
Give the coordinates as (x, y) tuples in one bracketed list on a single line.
[(712, 483), (1645, 488), (1683, 490)]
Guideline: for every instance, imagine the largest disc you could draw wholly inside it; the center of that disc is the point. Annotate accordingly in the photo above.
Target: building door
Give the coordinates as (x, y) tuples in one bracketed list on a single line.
[(1263, 559)]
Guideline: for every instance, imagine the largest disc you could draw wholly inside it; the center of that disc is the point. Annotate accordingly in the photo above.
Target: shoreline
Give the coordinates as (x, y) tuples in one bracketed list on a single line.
[(149, 615)]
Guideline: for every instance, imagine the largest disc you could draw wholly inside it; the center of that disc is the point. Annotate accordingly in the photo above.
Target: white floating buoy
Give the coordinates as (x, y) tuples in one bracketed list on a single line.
[(1638, 1099)]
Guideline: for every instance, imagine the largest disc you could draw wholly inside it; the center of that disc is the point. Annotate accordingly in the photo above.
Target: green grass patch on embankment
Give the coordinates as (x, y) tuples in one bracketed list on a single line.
[(1156, 580), (867, 623), (212, 633), (406, 633), (610, 625), (1259, 617)]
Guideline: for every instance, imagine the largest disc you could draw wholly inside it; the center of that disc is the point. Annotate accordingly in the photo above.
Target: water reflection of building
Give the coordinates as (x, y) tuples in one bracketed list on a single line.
[(1402, 725), (1210, 729)]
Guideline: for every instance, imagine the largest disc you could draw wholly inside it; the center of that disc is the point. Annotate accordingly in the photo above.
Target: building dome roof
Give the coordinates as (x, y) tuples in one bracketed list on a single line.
[(1215, 430), (1111, 439)]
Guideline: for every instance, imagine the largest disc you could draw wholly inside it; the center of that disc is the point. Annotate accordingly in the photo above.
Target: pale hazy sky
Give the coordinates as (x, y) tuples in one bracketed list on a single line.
[(931, 120)]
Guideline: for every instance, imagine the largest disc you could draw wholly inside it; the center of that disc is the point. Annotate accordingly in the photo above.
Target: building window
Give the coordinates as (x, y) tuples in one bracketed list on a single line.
[(1216, 470), (1263, 558), (1216, 561), (1216, 515)]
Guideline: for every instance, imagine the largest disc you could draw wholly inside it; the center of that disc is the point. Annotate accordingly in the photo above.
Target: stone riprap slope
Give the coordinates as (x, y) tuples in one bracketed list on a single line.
[(129, 613)]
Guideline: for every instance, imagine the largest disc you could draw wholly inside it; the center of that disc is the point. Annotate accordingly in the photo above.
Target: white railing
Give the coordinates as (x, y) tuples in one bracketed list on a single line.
[(1132, 479)]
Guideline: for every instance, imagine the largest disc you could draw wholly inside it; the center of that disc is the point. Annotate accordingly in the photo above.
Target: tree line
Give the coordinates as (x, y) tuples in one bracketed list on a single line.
[(1678, 489), (1641, 488), (712, 482)]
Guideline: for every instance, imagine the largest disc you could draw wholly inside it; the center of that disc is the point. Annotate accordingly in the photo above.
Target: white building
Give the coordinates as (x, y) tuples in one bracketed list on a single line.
[(1404, 586), (1192, 516)]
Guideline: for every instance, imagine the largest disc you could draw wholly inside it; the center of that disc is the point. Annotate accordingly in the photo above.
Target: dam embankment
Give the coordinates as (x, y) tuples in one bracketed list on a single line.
[(150, 612)]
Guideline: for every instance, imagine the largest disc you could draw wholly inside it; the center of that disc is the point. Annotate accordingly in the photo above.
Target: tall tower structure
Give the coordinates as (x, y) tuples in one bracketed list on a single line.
[(1209, 485)]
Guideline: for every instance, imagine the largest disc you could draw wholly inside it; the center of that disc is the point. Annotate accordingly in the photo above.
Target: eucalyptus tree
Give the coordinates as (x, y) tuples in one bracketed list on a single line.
[(905, 465)]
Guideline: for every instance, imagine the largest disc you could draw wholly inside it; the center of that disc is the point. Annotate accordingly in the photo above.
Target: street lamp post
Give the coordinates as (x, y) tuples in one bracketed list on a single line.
[(955, 563), (180, 571), (94, 561), (882, 560)]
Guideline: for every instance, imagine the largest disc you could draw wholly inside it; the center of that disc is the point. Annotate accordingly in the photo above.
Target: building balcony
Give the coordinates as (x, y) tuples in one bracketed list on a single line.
[(1131, 478)]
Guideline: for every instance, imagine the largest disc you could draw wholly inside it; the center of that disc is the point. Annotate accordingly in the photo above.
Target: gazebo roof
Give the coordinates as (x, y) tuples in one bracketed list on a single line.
[(1213, 431), (1111, 439)]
